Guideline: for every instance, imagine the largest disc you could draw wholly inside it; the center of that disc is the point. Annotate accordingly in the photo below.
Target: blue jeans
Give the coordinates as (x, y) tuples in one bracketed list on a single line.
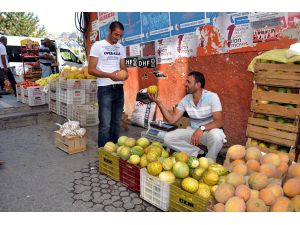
[(111, 102), (46, 70)]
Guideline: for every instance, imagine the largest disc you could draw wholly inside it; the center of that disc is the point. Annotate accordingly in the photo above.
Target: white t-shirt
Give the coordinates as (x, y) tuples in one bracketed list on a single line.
[(3, 52), (109, 57)]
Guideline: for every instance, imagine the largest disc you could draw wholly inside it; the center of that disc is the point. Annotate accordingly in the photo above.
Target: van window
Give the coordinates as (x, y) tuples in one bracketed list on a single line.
[(14, 53), (69, 56)]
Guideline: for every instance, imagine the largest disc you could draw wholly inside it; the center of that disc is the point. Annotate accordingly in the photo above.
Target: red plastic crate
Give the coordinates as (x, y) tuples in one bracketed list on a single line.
[(130, 175)]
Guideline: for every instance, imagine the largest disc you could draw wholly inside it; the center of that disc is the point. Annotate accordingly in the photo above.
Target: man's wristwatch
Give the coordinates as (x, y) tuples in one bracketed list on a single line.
[(202, 128)]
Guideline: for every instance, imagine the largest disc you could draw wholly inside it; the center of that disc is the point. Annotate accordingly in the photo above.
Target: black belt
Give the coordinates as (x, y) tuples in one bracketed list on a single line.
[(46, 64)]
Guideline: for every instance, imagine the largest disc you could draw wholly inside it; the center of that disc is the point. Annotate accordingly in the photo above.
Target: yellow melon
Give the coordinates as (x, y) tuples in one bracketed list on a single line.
[(123, 74), (256, 205), (258, 181), (240, 168), (252, 166), (224, 192), (235, 179), (282, 168), (219, 207), (282, 204), (296, 203), (284, 157), (268, 169), (236, 152), (276, 189), (253, 153), (243, 191), (294, 170), (235, 204), (270, 158), (254, 193), (236, 162), (291, 187), (267, 196)]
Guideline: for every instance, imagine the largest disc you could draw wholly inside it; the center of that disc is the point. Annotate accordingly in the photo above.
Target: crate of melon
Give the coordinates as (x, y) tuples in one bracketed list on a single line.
[(154, 190), (109, 164), (183, 201), (130, 175)]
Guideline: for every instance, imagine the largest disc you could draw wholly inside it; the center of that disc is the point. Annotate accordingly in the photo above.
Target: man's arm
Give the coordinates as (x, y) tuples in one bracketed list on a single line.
[(123, 65), (217, 123), (170, 117), (5, 68), (92, 70)]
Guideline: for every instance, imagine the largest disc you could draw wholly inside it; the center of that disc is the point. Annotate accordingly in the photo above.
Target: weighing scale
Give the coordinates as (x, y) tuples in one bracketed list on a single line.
[(158, 130)]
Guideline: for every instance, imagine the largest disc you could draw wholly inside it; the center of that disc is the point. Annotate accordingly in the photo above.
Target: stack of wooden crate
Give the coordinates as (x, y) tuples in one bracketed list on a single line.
[(275, 106)]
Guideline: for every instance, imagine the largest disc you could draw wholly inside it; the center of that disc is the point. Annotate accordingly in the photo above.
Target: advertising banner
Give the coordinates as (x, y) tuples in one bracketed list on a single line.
[(155, 25)]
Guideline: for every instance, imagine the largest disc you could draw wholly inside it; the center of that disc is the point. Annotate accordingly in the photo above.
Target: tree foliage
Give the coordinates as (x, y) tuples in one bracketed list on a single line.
[(21, 24)]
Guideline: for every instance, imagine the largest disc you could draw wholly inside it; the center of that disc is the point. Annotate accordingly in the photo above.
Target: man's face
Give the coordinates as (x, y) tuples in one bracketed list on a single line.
[(115, 35), (47, 43), (191, 86)]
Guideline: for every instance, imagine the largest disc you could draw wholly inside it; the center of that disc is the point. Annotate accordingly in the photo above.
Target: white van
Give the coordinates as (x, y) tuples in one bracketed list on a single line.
[(64, 55)]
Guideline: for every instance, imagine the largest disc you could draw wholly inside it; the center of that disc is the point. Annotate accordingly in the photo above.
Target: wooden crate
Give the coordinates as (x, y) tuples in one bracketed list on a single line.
[(278, 75), (258, 106), (292, 152), (273, 132), (266, 100), (70, 144)]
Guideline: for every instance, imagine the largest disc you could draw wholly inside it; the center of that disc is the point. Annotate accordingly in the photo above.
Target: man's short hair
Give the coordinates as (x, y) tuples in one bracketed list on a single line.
[(3, 39), (116, 24), (199, 77)]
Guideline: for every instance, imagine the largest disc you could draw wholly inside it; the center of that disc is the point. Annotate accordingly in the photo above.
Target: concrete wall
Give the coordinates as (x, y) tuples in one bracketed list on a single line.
[(226, 74)]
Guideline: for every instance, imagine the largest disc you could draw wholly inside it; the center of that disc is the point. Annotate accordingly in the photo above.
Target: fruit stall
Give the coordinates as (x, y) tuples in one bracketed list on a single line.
[(249, 181)]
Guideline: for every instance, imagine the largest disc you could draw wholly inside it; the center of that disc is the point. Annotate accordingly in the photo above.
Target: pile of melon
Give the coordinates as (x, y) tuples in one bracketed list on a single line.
[(132, 150), (258, 182), (196, 176)]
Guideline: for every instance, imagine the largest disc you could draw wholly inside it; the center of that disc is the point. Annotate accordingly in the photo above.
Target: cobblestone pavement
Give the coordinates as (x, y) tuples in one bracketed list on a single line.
[(39, 177)]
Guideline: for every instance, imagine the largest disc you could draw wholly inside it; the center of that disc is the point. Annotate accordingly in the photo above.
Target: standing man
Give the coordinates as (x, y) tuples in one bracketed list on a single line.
[(4, 66), (107, 58), (205, 111), (45, 58)]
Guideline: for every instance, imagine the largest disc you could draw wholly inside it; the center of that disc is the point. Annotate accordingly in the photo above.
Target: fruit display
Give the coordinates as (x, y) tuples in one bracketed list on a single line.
[(74, 72), (258, 182), (45, 81)]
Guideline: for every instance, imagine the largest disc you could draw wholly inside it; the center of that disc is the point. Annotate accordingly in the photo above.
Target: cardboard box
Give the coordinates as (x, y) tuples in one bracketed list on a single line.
[(70, 144)]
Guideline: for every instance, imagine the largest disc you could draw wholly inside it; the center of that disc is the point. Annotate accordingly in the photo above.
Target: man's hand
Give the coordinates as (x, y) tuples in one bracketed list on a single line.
[(115, 76), (196, 138), (155, 98)]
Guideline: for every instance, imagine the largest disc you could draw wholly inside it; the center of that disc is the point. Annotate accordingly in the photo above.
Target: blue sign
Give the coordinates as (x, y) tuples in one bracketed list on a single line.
[(132, 27), (104, 31), (212, 16), (186, 22), (155, 25)]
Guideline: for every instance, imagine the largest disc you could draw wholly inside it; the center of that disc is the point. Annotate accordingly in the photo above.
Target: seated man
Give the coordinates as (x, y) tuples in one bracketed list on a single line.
[(205, 111)]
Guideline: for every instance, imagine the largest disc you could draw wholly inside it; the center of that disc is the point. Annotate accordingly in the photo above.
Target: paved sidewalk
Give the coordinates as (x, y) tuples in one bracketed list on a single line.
[(38, 177)]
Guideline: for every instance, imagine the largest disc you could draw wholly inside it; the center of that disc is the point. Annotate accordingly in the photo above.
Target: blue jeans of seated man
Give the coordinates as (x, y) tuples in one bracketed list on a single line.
[(111, 103)]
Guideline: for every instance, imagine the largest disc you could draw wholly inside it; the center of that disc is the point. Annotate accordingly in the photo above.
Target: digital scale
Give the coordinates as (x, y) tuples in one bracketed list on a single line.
[(158, 130)]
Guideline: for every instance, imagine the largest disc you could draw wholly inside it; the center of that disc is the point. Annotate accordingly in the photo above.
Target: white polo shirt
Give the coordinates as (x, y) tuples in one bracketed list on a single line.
[(109, 57), (3, 52), (200, 114)]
